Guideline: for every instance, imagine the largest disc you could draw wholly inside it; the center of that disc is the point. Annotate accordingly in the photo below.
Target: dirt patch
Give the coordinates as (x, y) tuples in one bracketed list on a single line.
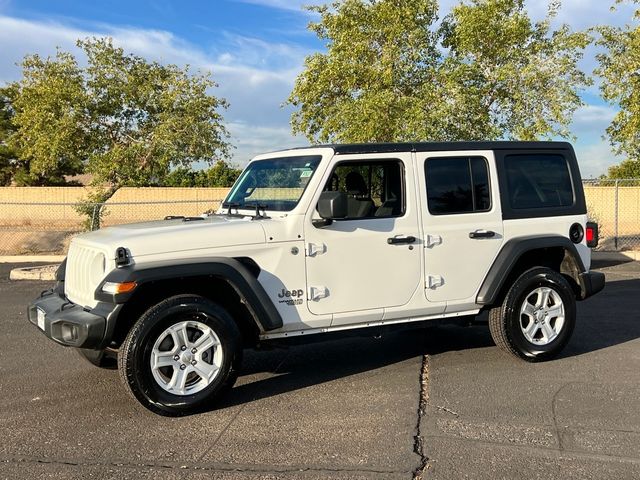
[(28, 241)]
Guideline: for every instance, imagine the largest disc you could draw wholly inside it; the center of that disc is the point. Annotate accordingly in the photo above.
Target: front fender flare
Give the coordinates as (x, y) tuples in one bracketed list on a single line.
[(228, 269)]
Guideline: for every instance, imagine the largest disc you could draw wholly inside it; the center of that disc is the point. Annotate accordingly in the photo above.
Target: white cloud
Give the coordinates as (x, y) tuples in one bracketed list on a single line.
[(253, 75), (595, 158), (579, 14), (261, 139), (256, 76), (293, 5), (593, 151), (593, 117)]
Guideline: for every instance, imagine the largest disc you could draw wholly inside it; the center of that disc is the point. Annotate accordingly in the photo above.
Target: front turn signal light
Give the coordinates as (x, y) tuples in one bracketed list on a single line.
[(116, 288)]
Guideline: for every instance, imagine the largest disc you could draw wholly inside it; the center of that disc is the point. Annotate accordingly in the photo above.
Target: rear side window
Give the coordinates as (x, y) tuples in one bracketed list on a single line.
[(457, 185), (538, 181)]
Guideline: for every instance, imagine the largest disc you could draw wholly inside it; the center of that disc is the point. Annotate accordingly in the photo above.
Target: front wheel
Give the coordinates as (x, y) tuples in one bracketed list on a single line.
[(537, 316), (181, 355)]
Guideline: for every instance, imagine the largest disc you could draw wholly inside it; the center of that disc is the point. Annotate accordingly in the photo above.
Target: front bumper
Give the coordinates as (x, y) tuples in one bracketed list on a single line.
[(590, 283), (70, 324)]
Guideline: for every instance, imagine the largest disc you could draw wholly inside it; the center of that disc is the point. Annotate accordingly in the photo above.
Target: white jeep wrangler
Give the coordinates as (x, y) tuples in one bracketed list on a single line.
[(327, 239)]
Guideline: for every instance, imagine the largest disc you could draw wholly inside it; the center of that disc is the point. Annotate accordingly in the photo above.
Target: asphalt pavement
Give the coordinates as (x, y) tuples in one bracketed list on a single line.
[(577, 417), (444, 399)]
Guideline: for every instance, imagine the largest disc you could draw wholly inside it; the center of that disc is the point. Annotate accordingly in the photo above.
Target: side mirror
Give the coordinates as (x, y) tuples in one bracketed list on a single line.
[(331, 206)]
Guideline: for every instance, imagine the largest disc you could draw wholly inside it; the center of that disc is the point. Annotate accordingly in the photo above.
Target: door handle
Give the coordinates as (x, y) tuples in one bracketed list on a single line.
[(482, 234), (399, 240)]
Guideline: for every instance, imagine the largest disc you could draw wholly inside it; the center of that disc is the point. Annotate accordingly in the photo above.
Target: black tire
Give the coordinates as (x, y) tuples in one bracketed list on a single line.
[(506, 322), (135, 355), (100, 358)]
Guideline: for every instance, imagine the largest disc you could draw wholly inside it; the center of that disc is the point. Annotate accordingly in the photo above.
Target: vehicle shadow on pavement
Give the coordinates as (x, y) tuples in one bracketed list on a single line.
[(302, 366), (610, 318), (608, 259), (606, 320)]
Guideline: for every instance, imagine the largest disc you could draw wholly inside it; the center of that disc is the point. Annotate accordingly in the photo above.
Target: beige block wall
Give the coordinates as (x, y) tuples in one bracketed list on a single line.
[(176, 201), (41, 206), (37, 206), (44, 212), (601, 206)]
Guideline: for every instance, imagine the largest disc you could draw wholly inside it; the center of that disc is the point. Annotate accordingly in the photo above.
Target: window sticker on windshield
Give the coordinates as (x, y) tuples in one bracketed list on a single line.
[(306, 173)]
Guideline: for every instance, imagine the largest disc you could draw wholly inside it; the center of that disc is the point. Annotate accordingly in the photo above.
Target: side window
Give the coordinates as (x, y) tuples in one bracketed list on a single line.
[(375, 189), (538, 181), (457, 185)]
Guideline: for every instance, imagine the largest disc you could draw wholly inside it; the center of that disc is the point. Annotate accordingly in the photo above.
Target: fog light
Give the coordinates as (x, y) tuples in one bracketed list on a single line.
[(69, 332)]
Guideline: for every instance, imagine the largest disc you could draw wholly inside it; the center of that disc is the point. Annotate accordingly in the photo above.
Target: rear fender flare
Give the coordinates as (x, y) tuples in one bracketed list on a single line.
[(509, 255)]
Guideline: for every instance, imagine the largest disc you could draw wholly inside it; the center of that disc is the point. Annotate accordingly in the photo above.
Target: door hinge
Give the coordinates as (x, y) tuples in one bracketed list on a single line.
[(434, 281), (316, 293), (433, 240), (314, 249)]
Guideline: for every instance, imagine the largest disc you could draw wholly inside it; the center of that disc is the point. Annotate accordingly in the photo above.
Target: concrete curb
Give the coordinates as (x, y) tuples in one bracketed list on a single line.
[(41, 272), (633, 255)]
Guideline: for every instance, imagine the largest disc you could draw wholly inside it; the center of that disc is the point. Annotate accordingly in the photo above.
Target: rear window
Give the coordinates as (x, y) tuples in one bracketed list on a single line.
[(457, 185), (538, 181)]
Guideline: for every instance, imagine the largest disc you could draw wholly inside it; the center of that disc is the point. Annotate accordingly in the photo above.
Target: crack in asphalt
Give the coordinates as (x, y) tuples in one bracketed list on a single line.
[(213, 467), (544, 450), (554, 413), (418, 445)]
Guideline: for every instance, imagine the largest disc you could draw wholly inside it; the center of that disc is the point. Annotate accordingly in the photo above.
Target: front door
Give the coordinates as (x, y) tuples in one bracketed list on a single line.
[(370, 260), (462, 223)]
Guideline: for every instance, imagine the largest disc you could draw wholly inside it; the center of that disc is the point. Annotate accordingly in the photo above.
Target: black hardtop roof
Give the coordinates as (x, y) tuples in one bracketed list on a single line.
[(351, 148)]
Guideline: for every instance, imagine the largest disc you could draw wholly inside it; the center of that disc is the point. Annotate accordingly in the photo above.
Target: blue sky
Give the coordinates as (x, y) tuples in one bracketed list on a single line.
[(254, 49)]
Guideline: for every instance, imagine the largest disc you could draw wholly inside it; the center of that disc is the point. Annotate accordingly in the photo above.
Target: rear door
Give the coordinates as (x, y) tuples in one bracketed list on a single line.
[(462, 223)]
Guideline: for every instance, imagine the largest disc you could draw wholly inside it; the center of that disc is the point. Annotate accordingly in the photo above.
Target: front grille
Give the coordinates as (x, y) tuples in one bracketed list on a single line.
[(78, 285)]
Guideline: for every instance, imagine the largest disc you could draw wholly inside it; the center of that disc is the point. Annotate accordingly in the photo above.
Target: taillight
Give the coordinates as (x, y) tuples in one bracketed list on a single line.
[(592, 234)]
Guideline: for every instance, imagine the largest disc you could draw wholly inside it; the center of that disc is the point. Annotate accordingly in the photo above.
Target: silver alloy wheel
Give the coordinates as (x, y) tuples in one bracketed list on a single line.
[(542, 316), (186, 358)]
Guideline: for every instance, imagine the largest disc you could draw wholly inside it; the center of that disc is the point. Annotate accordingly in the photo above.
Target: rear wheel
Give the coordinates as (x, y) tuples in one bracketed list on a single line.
[(181, 355), (537, 316)]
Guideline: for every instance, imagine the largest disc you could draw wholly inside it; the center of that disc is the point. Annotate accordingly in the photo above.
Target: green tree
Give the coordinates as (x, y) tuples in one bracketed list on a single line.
[(619, 68), (626, 169), (50, 121), (147, 118), (391, 74), (7, 128), (219, 175), (182, 177), (125, 120)]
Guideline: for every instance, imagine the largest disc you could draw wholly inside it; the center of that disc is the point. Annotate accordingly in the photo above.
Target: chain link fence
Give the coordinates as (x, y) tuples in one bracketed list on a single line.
[(37, 227), (615, 206), (28, 228)]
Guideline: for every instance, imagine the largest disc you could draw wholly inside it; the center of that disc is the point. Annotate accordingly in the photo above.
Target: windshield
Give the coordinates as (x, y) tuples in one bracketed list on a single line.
[(273, 184)]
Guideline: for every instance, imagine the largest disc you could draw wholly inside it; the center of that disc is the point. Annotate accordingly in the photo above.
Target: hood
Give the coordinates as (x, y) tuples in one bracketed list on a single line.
[(164, 236)]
